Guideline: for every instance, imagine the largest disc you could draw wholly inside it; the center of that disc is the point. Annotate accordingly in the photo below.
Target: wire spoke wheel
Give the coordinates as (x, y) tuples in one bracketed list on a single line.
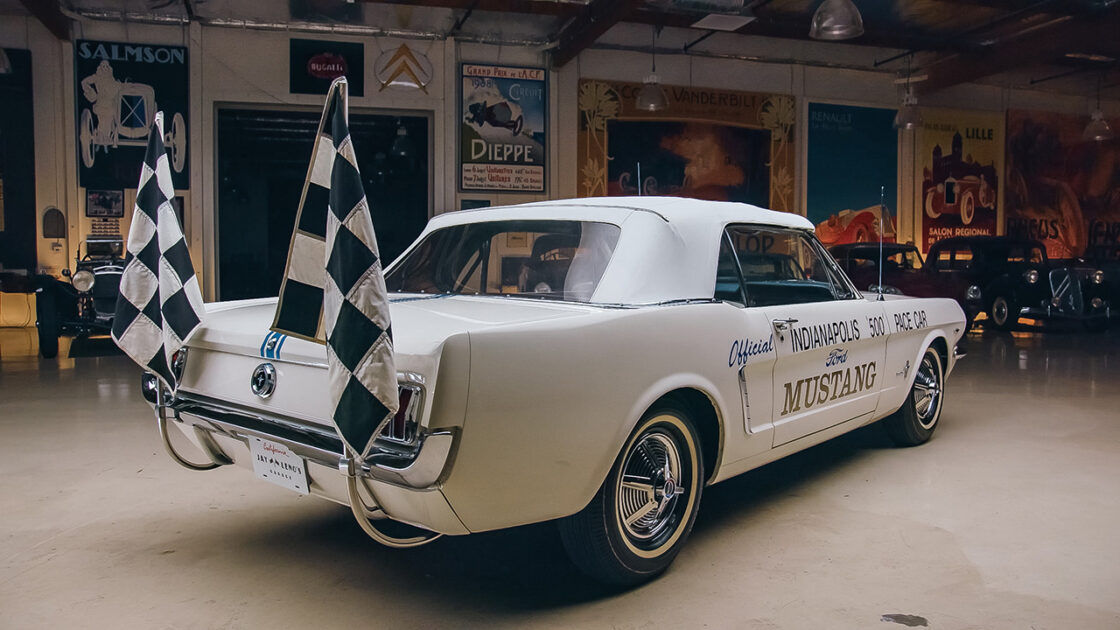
[(915, 421), (926, 393), (649, 487), (643, 512)]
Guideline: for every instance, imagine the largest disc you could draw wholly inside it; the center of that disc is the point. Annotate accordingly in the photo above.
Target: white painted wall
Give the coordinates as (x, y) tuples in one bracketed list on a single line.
[(245, 68)]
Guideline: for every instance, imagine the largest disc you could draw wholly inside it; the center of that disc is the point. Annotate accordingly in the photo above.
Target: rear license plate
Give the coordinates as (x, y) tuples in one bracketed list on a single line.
[(277, 463)]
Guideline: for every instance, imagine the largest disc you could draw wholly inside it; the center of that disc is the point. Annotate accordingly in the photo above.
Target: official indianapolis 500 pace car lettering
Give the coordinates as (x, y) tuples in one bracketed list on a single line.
[(744, 349), (910, 320), (824, 335), (817, 390)]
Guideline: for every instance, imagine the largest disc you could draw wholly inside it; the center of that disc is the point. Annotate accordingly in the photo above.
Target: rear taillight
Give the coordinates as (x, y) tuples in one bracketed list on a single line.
[(402, 428)]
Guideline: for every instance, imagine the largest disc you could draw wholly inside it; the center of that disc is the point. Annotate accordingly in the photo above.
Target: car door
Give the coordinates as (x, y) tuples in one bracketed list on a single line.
[(829, 340)]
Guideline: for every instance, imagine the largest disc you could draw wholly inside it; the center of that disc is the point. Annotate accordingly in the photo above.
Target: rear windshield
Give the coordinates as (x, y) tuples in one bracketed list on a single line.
[(557, 260)]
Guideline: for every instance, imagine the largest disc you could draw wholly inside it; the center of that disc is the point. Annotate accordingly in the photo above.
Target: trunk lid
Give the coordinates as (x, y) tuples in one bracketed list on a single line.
[(235, 339)]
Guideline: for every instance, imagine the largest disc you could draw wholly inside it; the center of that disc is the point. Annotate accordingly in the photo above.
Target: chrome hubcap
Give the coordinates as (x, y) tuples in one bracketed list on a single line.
[(650, 486), (927, 392)]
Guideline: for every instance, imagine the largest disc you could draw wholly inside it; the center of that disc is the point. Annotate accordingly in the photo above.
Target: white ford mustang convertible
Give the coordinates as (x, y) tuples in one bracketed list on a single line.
[(594, 361)]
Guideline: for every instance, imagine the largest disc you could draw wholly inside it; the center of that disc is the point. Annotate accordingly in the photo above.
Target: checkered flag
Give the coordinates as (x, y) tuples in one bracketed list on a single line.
[(159, 305), (334, 290)]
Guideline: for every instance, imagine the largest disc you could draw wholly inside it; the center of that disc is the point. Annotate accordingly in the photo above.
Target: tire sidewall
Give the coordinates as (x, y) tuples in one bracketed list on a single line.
[(675, 423)]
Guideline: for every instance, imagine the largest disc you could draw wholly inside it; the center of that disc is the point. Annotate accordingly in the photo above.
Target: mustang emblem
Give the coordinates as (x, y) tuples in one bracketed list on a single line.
[(263, 382)]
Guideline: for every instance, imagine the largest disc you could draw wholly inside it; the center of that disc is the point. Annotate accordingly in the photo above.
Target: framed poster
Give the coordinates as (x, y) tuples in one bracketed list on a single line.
[(844, 202), (119, 88), (708, 144), (503, 119), (313, 64), (1062, 190), (959, 166), (104, 203)]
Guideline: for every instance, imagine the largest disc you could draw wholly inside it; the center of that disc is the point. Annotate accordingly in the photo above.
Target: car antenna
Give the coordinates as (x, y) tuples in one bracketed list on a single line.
[(881, 210), (639, 179)]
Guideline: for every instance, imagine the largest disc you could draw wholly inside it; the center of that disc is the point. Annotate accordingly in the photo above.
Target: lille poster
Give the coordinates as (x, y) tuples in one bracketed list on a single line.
[(120, 87), (502, 137), (844, 202), (959, 165)]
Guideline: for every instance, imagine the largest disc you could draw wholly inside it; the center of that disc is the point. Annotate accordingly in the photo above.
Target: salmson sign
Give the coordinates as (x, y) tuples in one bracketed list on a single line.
[(502, 139), (120, 87)]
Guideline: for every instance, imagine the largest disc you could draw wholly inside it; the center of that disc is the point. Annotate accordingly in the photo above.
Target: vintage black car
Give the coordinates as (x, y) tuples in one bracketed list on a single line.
[(1012, 278), (83, 304)]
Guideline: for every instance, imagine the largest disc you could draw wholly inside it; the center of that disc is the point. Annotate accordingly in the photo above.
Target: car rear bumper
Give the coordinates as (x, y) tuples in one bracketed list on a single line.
[(404, 485)]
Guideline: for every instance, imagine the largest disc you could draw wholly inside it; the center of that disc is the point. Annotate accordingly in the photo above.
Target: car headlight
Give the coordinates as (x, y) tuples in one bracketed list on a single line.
[(83, 280), (1098, 276), (973, 293), (1031, 275)]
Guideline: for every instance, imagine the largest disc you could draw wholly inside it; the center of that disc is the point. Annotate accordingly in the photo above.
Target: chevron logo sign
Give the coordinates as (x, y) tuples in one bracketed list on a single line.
[(402, 68)]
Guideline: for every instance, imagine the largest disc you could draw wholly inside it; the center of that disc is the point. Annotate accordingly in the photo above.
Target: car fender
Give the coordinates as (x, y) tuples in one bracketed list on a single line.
[(542, 428), (905, 348)]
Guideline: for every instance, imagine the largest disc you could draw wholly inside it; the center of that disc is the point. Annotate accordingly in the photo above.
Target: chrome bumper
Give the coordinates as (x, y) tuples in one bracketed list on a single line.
[(419, 466)]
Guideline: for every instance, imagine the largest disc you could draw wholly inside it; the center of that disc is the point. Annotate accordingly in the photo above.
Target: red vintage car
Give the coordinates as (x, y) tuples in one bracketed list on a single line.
[(958, 196)]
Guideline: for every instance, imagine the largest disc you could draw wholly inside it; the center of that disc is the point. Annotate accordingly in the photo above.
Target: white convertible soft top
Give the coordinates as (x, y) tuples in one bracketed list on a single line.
[(668, 247)]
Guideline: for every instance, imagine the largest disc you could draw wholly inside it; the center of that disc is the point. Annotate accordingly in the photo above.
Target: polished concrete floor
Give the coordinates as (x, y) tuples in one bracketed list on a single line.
[(1008, 518)]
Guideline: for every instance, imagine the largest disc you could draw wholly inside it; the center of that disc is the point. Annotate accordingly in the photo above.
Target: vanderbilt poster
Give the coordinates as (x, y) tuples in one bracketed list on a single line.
[(959, 162), (1062, 190), (708, 144)]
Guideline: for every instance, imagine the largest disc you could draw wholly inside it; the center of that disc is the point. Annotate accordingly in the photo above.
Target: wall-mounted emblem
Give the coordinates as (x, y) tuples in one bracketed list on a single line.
[(403, 68), (263, 382), (327, 66), (314, 63)]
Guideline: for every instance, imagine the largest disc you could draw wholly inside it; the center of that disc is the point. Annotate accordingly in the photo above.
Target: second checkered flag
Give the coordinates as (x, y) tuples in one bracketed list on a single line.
[(334, 289)]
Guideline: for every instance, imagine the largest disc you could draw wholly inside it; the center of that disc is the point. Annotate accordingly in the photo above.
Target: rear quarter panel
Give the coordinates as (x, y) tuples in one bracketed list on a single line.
[(551, 403)]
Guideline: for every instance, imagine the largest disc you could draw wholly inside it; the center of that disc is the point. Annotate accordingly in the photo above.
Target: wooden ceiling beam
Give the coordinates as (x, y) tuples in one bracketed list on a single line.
[(50, 16), (597, 18), (528, 7), (1042, 46)]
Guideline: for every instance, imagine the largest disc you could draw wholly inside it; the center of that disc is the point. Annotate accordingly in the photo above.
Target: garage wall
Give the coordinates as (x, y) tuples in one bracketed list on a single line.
[(244, 67)]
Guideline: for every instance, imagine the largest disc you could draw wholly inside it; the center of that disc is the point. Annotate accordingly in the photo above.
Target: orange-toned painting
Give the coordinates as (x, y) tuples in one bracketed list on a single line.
[(707, 144)]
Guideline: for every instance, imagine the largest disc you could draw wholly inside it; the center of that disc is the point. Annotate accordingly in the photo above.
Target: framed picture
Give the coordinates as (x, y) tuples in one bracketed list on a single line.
[(503, 118), (104, 203)]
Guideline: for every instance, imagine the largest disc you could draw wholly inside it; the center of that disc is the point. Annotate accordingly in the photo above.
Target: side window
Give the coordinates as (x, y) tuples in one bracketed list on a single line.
[(780, 266), (962, 258), (729, 287), (944, 260)]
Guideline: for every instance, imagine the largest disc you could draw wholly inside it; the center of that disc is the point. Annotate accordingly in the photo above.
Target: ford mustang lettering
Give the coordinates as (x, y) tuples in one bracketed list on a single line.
[(596, 362)]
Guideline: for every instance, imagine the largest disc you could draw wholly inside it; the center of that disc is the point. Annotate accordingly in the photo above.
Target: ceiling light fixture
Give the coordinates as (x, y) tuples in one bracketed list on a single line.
[(1098, 129), (909, 115), (836, 20), (651, 98)]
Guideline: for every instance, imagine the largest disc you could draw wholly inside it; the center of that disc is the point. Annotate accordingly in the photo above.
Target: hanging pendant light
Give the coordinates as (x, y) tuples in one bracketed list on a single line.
[(836, 20), (1098, 129), (651, 98), (909, 116)]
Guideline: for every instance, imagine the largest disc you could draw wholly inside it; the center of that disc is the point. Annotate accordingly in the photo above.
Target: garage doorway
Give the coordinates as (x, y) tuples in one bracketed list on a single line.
[(262, 162), (17, 167)]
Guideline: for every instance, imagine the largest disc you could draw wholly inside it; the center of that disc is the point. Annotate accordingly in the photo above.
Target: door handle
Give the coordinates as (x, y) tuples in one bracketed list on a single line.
[(782, 325)]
